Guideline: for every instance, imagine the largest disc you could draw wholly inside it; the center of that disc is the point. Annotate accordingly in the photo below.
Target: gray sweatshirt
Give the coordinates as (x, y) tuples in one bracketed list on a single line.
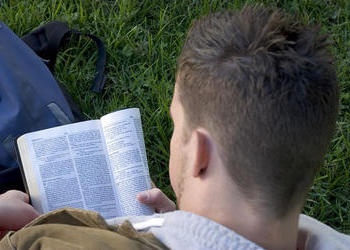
[(184, 230)]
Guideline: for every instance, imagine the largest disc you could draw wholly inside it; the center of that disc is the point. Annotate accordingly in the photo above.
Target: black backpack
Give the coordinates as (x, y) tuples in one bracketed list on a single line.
[(30, 97)]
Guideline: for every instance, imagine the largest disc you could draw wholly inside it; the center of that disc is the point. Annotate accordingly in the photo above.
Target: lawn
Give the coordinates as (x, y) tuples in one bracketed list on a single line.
[(143, 40)]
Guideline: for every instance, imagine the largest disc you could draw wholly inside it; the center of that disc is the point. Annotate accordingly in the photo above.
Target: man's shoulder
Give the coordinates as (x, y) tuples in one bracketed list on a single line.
[(313, 234)]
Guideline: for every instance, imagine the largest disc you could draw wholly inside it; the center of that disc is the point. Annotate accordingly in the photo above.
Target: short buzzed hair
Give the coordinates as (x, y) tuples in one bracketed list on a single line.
[(264, 85)]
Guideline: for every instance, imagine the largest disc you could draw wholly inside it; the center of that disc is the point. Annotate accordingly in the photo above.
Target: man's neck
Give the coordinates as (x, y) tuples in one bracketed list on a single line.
[(228, 208), (268, 233)]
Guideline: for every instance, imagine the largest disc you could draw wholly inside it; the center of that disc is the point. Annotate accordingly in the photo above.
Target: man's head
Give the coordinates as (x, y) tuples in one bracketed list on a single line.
[(264, 87)]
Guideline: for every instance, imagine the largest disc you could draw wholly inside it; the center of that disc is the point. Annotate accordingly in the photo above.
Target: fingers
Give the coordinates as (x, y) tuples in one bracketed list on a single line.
[(15, 212), (19, 216), (17, 195), (156, 199)]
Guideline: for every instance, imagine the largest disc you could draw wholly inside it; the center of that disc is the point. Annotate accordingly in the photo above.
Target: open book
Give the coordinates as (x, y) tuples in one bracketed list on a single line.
[(97, 165)]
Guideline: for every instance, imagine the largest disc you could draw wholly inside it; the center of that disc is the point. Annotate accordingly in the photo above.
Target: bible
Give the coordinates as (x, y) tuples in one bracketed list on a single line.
[(98, 165)]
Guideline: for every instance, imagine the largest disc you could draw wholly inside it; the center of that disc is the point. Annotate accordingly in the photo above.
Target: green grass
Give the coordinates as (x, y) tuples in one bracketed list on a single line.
[(143, 40)]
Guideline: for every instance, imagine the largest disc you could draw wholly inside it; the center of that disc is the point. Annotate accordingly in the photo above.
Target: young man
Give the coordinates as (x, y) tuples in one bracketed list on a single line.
[(254, 109)]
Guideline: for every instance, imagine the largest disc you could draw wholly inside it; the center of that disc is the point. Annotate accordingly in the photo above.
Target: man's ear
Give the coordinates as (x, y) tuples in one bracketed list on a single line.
[(202, 151)]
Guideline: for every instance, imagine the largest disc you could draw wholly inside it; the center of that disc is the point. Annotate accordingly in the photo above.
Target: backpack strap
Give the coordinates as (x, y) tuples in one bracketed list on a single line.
[(100, 78), (47, 40)]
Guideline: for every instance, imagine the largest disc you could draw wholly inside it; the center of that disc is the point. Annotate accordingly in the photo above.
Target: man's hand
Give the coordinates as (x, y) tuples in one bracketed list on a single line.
[(15, 212), (157, 200)]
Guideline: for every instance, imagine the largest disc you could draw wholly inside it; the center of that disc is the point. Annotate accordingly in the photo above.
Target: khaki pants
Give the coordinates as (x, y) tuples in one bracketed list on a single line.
[(78, 229)]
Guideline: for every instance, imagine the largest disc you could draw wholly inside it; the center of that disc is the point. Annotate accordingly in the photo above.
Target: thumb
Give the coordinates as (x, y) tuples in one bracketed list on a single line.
[(156, 199)]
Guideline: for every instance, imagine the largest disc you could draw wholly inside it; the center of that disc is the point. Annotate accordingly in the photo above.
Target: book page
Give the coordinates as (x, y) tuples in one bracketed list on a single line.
[(127, 154), (71, 169)]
